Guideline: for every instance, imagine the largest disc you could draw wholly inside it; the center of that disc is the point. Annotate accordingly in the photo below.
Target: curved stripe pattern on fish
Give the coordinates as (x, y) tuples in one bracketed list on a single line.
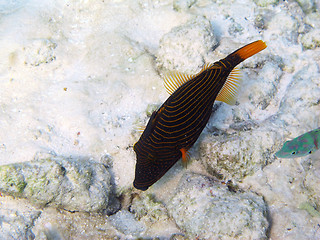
[(176, 126)]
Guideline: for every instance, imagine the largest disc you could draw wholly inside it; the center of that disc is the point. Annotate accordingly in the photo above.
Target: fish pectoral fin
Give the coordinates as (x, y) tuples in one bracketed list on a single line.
[(150, 124), (229, 91), (174, 80), (185, 157)]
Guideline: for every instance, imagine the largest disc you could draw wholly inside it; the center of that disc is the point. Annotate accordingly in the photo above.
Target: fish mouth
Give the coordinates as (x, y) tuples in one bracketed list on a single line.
[(142, 188)]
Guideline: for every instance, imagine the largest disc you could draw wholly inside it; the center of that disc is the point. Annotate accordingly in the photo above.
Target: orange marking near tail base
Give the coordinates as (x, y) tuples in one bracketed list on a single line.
[(185, 156)]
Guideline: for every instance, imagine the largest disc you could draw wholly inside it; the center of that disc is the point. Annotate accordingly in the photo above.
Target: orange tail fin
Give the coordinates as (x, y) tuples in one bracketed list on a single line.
[(250, 49)]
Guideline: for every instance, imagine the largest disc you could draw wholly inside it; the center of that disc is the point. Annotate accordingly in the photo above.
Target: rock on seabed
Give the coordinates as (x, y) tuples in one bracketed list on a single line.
[(238, 155), (125, 222), (17, 224), (70, 184), (102, 59), (180, 51), (206, 209)]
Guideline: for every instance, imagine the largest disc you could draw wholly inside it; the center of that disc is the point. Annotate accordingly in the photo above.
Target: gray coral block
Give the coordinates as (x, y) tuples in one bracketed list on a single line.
[(186, 46), (70, 184), (206, 209), (235, 156), (17, 224), (125, 222)]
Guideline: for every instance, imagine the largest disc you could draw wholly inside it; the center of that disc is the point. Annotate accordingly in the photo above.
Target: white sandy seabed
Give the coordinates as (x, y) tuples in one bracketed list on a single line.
[(78, 78)]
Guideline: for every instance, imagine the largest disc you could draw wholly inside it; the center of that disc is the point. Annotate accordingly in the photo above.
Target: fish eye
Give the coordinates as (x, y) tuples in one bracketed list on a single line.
[(293, 153), (310, 151)]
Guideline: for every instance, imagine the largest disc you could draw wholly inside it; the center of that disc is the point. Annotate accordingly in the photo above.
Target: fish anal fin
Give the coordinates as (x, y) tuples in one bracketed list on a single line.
[(229, 91), (174, 80), (185, 157)]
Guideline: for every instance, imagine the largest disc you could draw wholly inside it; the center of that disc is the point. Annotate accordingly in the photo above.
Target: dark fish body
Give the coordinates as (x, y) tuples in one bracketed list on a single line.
[(176, 126)]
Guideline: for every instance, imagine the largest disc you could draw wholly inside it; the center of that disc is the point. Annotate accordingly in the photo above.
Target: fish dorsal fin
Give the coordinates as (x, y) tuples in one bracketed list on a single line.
[(174, 80), (229, 91), (205, 67)]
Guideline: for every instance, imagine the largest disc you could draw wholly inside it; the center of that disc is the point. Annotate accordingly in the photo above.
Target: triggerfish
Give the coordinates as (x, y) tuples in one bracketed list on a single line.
[(301, 146), (177, 124)]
